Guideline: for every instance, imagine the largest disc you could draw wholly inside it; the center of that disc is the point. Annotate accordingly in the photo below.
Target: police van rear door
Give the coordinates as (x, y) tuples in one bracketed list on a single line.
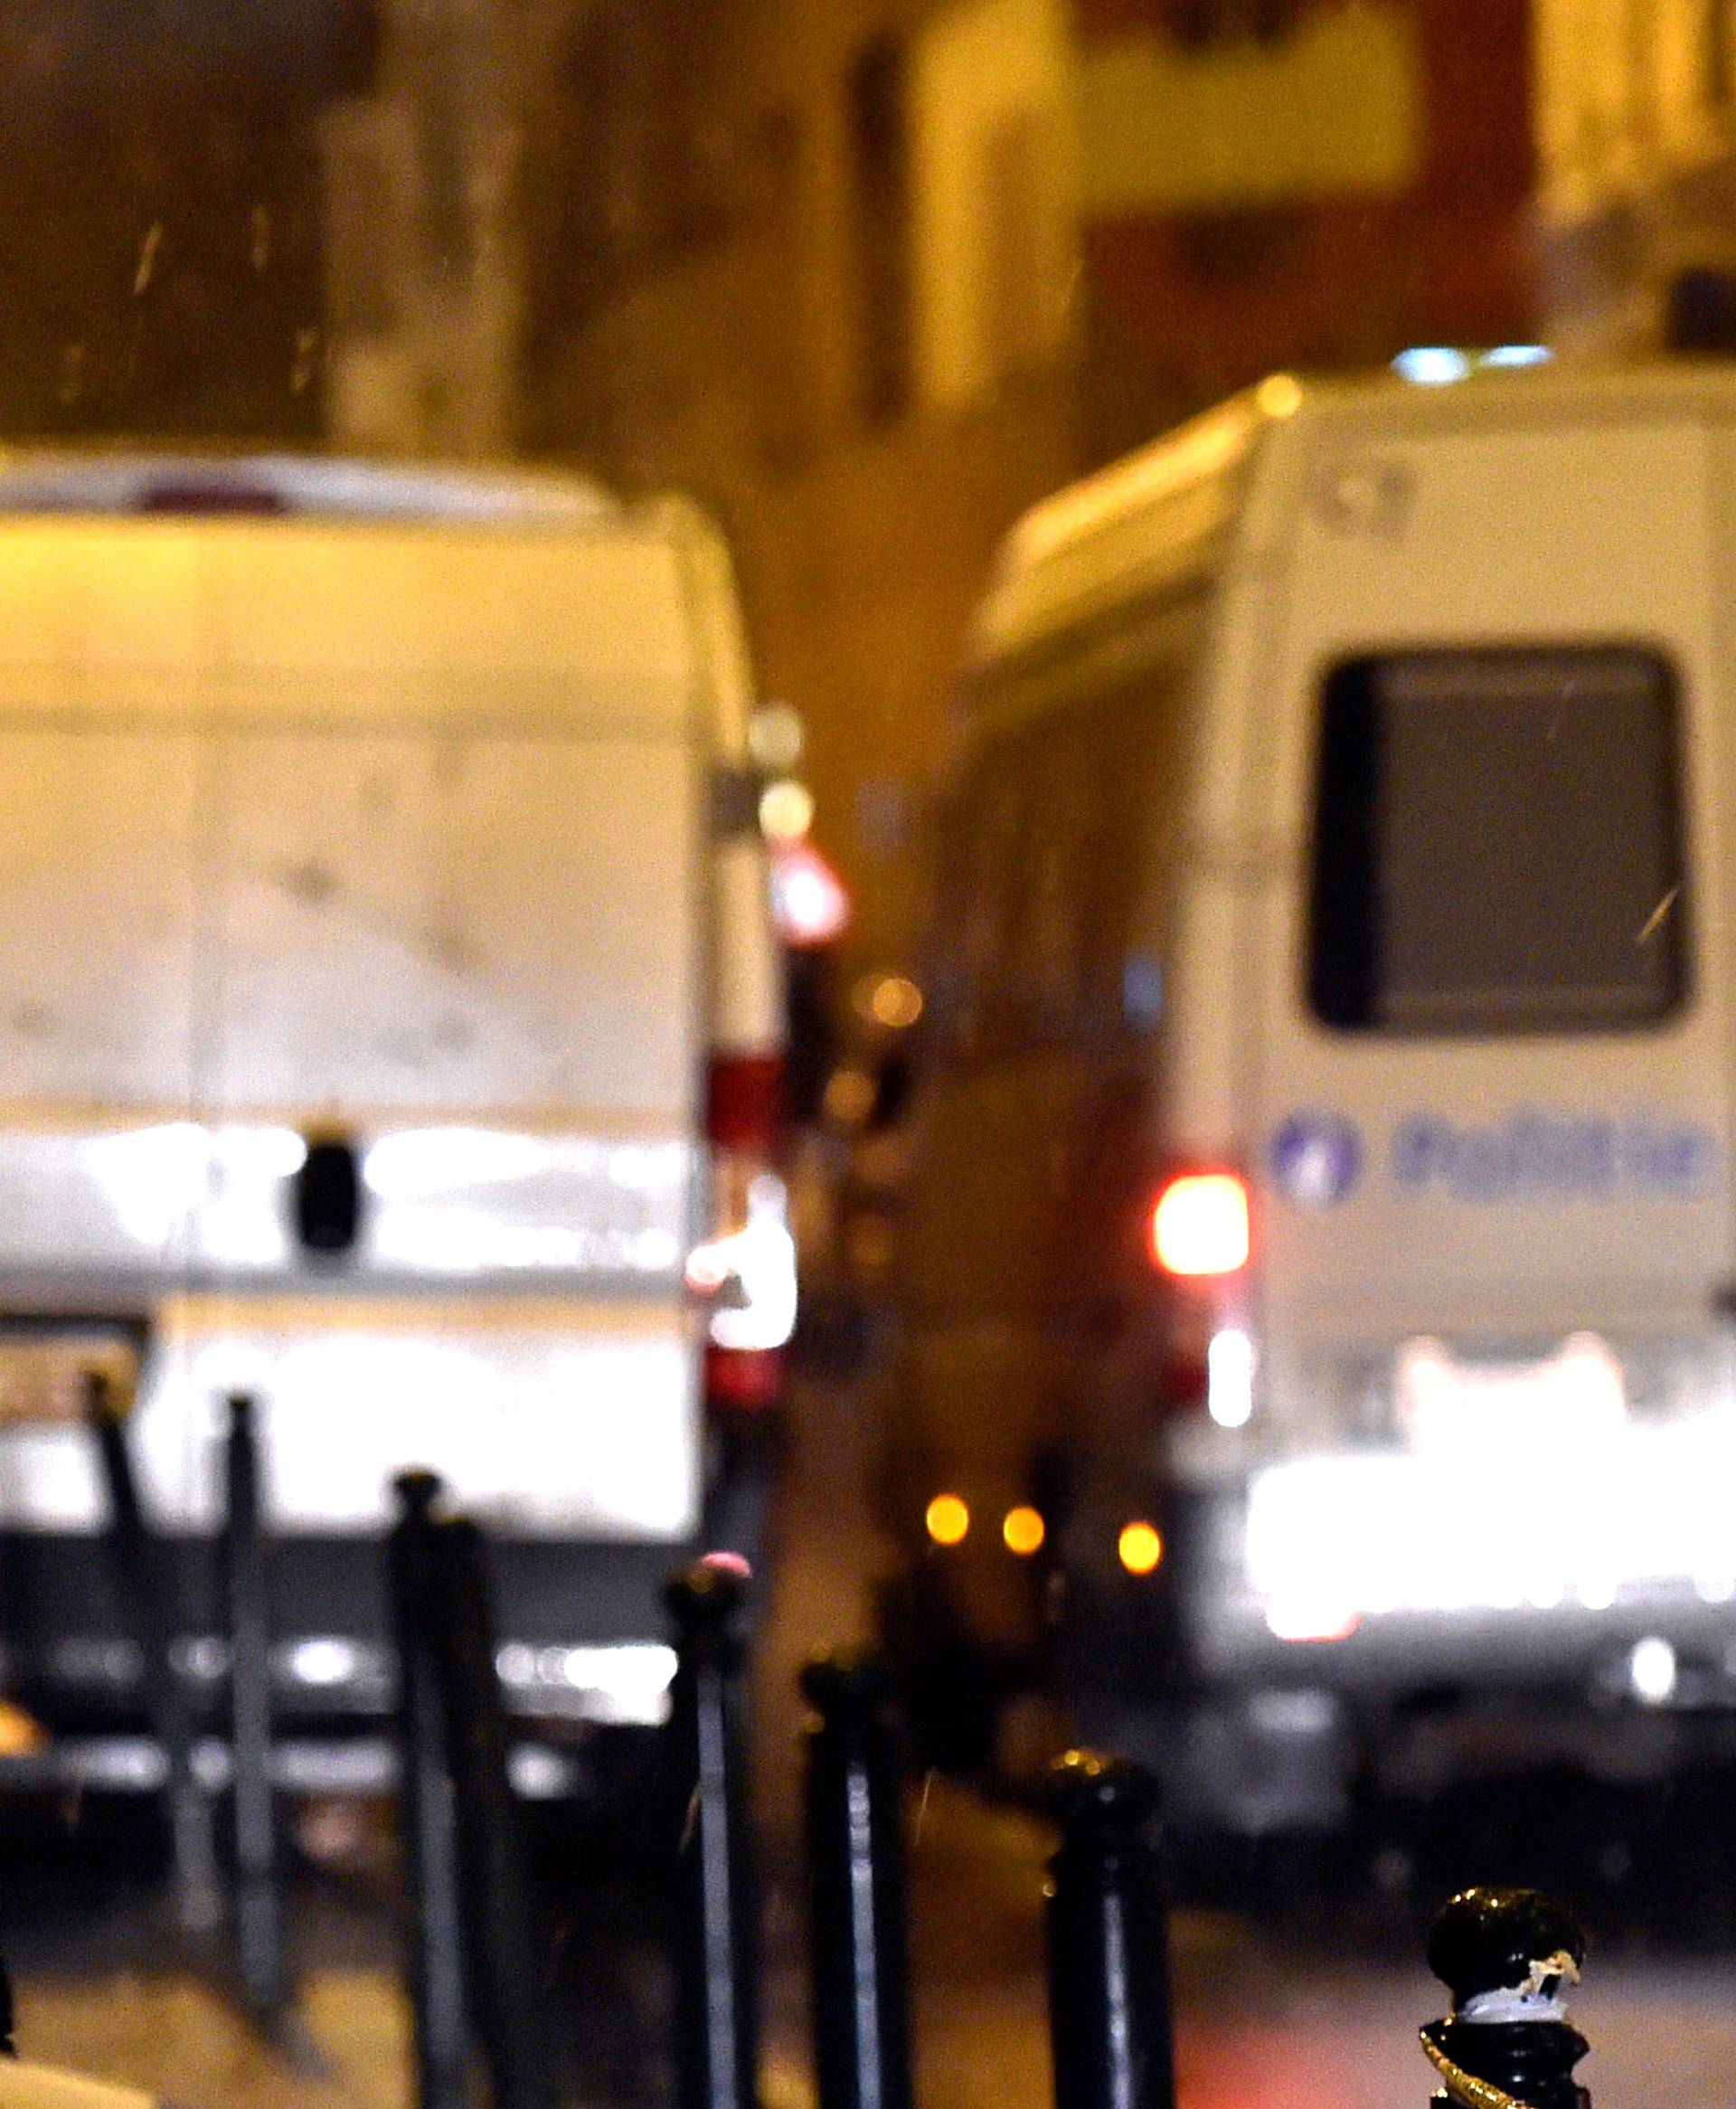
[(1492, 1209)]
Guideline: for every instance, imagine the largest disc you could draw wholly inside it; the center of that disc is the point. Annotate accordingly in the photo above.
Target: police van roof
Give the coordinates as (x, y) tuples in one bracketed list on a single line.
[(1162, 518)]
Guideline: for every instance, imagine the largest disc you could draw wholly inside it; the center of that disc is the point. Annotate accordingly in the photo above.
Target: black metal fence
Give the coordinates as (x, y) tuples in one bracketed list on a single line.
[(472, 1984), (475, 1962), (1504, 1954)]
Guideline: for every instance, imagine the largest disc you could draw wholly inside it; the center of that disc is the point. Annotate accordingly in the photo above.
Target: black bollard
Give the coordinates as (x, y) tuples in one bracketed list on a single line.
[(859, 1971), (434, 1960), (142, 1588), (1108, 1942), (259, 1915), (509, 1987), (717, 2050), (1506, 1955)]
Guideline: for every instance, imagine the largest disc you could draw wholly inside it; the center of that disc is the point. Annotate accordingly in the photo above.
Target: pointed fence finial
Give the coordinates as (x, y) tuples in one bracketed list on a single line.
[(1506, 1955)]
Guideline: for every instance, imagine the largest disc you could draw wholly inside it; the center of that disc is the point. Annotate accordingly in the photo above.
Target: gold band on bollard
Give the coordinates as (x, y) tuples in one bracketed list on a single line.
[(1466, 2088)]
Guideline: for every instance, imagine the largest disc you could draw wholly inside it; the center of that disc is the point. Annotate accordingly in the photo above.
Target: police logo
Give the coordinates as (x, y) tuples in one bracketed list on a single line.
[(1317, 1159)]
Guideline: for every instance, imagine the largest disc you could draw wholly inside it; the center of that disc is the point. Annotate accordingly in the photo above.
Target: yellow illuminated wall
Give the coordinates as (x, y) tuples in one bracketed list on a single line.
[(994, 192), (1332, 107), (1628, 94)]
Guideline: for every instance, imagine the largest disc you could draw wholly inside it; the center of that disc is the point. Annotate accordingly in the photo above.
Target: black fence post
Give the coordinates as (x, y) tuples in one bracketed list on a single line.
[(1108, 1945), (859, 1966), (510, 1992), (435, 1944), (258, 1916), (717, 2021), (142, 1586)]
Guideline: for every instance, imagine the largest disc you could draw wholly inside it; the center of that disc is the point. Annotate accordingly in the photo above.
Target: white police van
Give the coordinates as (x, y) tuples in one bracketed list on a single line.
[(1318, 1268), (390, 1020)]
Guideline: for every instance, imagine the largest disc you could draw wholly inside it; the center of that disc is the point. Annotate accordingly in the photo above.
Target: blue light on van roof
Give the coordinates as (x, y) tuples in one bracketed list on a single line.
[(1432, 365), (1517, 355), (1436, 365)]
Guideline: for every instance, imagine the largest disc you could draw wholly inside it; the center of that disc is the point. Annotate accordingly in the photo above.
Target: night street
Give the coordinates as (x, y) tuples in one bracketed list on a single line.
[(1289, 2002)]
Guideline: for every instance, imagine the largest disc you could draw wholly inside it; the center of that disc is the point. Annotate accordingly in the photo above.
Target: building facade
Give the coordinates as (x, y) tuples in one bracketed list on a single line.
[(872, 277), (868, 277), (160, 241), (1319, 183), (820, 265)]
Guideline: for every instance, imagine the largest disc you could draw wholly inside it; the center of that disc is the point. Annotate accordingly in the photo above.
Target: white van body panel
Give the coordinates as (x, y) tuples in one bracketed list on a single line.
[(1509, 540), (395, 816)]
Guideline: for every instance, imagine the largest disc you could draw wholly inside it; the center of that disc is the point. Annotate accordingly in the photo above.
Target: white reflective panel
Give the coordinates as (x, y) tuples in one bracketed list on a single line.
[(153, 1177), (469, 1201), (1229, 1378), (127, 483), (49, 1478), (447, 1202), (626, 1682), (1576, 1395), (179, 1189), (540, 1422), (752, 1272), (1538, 1523), (421, 1162)]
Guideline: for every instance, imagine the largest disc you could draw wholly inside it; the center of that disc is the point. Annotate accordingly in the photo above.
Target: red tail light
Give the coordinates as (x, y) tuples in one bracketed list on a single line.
[(746, 1266), (1200, 1225)]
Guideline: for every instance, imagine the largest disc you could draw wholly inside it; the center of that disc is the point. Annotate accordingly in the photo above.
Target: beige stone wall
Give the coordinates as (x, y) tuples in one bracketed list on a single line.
[(1635, 105), (1628, 94)]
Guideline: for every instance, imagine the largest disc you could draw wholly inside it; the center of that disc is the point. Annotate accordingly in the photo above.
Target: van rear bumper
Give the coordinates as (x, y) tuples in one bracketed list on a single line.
[(1253, 1735), (1566, 1648), (1255, 1761), (580, 1628), (1256, 1731)]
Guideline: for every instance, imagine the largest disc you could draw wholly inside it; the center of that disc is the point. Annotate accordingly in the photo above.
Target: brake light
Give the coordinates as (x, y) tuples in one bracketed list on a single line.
[(745, 1269), (1199, 1224)]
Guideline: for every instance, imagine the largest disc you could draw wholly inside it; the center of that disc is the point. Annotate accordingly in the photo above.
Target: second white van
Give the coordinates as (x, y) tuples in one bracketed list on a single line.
[(1318, 1270)]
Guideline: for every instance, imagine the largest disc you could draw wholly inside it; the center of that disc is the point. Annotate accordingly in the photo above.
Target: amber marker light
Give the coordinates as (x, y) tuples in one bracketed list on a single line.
[(1140, 1548), (1024, 1532), (20, 1734), (948, 1520)]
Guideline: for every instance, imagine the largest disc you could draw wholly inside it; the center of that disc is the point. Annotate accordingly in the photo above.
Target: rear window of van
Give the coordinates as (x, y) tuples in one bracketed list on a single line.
[(1497, 843)]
